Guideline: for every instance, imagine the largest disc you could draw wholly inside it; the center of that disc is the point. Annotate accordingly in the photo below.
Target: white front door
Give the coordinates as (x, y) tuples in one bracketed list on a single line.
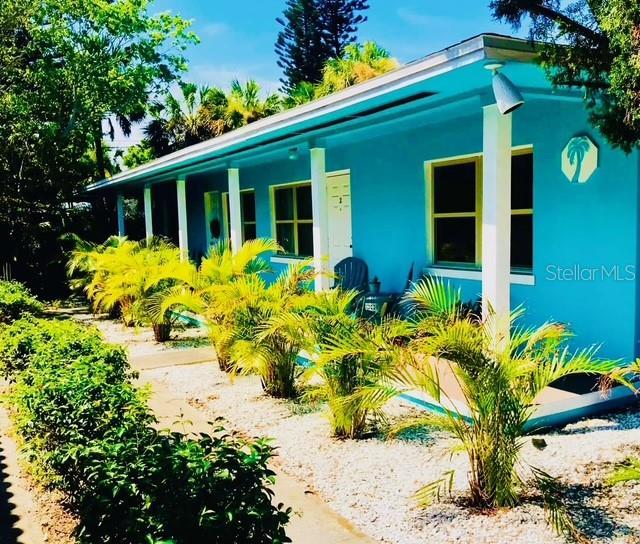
[(339, 202)]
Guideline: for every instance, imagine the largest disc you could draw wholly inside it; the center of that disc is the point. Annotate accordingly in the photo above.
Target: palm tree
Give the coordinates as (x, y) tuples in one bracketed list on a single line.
[(244, 104), (201, 113), (499, 383), (271, 338), (208, 290), (181, 121), (359, 63), (353, 354)]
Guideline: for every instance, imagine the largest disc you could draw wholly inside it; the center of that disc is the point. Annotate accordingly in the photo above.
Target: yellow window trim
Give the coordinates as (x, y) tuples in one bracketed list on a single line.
[(476, 158), (295, 221)]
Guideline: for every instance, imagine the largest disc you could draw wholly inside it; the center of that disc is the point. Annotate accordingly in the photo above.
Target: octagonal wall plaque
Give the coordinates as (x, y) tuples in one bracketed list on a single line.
[(579, 159)]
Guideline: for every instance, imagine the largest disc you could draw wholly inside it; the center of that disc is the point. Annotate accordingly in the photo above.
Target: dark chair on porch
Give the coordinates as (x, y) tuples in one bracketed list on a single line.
[(351, 274)]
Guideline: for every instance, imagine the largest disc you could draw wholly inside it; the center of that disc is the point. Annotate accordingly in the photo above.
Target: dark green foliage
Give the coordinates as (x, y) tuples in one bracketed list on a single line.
[(602, 57), (301, 52), (16, 301), (88, 432), (30, 337), (66, 67), (313, 32), (340, 20), (159, 486)]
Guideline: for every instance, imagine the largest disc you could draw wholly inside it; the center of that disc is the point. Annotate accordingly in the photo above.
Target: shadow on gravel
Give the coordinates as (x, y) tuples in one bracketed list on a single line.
[(9, 534), (596, 521)]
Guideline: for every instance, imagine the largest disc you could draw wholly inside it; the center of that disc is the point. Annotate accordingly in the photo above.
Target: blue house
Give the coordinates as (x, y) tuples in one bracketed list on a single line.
[(440, 164)]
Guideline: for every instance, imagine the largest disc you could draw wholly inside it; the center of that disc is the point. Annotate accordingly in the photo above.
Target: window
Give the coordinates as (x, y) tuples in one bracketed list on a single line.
[(457, 211), (293, 219), (247, 214)]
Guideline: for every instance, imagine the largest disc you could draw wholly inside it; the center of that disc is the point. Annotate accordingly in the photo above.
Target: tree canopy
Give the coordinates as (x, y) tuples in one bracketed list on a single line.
[(589, 44), (313, 32), (68, 66), (198, 114)]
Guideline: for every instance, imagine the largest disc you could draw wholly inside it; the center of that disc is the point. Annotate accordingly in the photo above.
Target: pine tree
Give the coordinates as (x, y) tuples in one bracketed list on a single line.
[(339, 20), (299, 47), (313, 32)]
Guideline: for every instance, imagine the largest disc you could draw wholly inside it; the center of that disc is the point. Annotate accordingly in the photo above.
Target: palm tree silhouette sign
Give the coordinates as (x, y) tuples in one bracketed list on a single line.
[(578, 148)]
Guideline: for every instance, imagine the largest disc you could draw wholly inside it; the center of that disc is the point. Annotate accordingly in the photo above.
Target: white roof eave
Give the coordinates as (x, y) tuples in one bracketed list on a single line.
[(459, 55)]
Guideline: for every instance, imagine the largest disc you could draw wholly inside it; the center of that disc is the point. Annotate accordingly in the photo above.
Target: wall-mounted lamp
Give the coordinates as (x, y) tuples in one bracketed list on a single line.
[(508, 97), (293, 154)]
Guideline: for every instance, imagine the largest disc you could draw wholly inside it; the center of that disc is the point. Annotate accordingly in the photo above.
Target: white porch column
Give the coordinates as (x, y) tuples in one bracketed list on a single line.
[(496, 216), (320, 217), (148, 212), (235, 213), (183, 240), (120, 214)]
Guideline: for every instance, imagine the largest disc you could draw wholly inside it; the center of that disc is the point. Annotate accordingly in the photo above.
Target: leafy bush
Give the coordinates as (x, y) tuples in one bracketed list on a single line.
[(72, 389), (25, 338), (150, 486), (88, 431), (16, 301)]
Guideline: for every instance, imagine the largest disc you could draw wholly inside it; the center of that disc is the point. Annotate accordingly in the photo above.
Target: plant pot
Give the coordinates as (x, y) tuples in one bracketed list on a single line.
[(162, 332)]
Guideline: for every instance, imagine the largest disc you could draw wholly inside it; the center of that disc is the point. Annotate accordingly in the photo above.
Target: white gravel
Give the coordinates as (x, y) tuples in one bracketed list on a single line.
[(371, 482)]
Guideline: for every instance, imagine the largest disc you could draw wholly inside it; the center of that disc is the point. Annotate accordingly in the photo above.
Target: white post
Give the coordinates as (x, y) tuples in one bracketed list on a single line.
[(235, 213), (120, 214), (496, 217), (183, 240), (320, 217), (148, 213)]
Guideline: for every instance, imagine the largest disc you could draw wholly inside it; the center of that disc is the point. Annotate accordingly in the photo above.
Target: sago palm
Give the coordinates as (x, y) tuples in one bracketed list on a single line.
[(493, 384)]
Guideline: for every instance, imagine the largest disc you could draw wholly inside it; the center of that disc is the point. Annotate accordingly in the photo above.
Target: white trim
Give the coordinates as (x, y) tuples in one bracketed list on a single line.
[(320, 217), (476, 275), (183, 237), (148, 213), (279, 259), (496, 216), (235, 209)]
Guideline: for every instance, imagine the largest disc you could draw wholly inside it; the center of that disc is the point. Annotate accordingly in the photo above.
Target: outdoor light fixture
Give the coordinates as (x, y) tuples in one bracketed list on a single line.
[(293, 154), (508, 97)]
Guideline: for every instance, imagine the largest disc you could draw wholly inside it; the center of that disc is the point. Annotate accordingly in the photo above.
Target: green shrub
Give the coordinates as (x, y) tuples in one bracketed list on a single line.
[(16, 301), (87, 431), (151, 486), (75, 389), (21, 340)]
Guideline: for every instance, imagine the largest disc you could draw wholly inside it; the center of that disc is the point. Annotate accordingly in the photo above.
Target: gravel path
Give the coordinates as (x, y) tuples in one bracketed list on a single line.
[(370, 482)]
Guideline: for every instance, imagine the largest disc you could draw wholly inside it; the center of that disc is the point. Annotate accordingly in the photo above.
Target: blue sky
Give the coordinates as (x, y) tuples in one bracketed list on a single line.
[(238, 36)]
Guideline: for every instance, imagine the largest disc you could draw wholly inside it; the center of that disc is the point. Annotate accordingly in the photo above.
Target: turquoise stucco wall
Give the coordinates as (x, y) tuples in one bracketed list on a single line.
[(593, 225)]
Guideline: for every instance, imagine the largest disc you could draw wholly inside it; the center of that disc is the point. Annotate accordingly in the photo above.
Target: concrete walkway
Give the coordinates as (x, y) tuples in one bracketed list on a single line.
[(313, 521), (19, 523)]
